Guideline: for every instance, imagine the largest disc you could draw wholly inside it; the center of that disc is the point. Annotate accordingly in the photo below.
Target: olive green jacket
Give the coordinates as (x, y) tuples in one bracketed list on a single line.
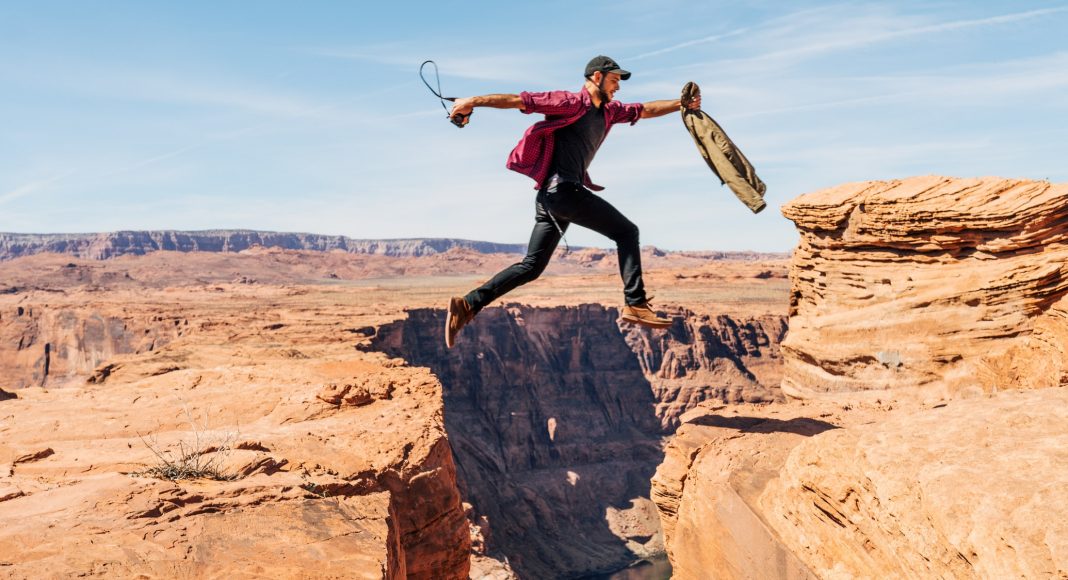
[(721, 154)]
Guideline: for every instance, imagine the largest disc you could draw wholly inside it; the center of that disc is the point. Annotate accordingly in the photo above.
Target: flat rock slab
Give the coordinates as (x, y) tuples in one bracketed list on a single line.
[(968, 489)]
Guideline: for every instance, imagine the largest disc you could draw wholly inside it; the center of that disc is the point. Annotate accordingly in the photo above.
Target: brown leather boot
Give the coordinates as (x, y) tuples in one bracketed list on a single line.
[(643, 314), (459, 314)]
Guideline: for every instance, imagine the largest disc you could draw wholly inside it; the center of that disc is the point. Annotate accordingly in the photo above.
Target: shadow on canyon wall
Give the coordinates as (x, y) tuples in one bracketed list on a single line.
[(554, 430), (800, 426)]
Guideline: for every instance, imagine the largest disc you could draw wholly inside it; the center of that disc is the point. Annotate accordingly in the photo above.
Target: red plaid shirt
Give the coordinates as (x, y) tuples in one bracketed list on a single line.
[(534, 153)]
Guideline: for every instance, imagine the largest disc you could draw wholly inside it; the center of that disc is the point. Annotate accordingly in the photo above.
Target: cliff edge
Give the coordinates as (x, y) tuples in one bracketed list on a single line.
[(249, 440), (926, 345)]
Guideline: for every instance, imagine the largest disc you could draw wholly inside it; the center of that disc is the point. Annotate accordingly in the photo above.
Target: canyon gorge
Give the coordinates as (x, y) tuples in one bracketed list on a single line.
[(353, 443), (889, 401)]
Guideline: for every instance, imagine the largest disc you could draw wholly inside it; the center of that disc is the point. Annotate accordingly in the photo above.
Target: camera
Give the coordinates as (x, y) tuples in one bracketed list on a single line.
[(458, 120)]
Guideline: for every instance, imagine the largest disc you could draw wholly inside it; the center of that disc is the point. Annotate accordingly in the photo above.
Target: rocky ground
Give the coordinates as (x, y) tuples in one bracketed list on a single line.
[(961, 489), (263, 384), (288, 372)]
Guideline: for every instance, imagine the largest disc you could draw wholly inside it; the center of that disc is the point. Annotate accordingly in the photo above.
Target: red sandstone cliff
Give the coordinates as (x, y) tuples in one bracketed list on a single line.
[(907, 297), (268, 386), (922, 284), (51, 347)]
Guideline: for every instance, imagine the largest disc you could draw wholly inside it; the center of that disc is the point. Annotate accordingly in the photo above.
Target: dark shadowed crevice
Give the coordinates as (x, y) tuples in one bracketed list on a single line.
[(553, 426), (47, 361), (557, 418)]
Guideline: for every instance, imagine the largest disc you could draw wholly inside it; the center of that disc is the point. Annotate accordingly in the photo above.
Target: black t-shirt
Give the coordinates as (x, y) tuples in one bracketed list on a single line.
[(576, 144)]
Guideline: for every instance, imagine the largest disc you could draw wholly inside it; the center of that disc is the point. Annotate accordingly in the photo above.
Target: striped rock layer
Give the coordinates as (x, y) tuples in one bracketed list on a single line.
[(928, 284)]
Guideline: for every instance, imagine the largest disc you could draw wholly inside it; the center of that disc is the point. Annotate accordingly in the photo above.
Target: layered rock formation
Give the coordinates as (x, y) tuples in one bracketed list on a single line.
[(556, 416), (318, 480), (922, 284), (710, 357), (707, 489), (927, 336), (972, 489)]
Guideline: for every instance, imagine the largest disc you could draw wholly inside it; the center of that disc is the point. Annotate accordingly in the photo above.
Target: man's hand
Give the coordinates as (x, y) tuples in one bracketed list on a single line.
[(461, 108), (695, 103)]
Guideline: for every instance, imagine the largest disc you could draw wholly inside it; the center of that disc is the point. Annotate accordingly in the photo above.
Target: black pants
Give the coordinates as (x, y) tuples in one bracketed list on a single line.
[(571, 203)]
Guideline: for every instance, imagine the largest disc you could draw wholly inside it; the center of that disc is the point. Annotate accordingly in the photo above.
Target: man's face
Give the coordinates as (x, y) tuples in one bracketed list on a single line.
[(610, 85)]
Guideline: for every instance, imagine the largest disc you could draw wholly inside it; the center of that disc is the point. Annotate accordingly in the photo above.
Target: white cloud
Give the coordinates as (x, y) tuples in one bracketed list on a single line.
[(32, 187), (688, 44), (985, 81), (807, 34), (978, 84), (512, 67), (866, 30), (120, 83)]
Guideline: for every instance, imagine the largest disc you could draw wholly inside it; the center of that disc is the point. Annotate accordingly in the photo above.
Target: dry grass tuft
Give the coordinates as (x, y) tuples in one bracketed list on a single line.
[(203, 458)]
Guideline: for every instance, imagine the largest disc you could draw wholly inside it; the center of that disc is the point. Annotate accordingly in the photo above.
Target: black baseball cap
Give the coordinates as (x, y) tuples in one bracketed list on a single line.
[(606, 65)]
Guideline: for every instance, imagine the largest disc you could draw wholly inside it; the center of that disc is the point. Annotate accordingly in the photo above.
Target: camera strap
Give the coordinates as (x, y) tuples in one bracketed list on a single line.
[(459, 120)]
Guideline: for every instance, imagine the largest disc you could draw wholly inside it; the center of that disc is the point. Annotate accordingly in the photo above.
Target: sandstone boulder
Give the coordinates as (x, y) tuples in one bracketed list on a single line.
[(921, 285)]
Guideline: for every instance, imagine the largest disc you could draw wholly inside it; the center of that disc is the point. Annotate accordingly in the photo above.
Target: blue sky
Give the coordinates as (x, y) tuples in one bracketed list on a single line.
[(311, 116)]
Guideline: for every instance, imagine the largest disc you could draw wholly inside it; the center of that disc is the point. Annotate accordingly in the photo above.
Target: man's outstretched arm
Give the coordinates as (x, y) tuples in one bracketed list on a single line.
[(661, 108), (465, 105)]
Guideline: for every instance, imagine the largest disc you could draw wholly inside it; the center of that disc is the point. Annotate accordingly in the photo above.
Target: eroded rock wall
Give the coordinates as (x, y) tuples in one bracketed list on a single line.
[(45, 345), (920, 284), (702, 357), (715, 468), (927, 337), (965, 489), (972, 489)]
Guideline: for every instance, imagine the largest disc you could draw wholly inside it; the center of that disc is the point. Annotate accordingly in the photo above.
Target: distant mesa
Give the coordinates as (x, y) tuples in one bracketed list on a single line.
[(102, 246)]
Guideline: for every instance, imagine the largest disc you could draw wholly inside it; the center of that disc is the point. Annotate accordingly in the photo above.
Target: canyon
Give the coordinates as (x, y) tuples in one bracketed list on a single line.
[(356, 443), (556, 418), (888, 401)]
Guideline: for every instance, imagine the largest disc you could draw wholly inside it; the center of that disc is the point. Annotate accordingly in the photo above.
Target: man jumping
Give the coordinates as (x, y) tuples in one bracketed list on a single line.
[(556, 153)]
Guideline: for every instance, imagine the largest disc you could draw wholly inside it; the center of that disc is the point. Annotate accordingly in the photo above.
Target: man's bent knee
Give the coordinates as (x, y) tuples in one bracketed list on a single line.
[(529, 270), (627, 235)]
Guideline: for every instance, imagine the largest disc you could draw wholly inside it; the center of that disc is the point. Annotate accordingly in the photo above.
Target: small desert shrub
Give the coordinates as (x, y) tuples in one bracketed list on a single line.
[(200, 458)]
